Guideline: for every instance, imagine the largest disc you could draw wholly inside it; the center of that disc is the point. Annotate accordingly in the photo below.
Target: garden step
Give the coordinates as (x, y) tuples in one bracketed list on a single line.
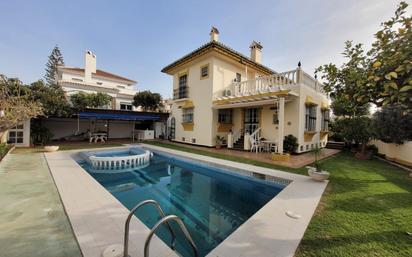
[(335, 145)]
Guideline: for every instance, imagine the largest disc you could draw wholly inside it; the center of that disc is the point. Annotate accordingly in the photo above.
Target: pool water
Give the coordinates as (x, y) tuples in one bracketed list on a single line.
[(212, 202)]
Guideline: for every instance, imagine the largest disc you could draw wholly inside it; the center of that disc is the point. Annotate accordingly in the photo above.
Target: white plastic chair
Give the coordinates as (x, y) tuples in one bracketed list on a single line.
[(255, 145)]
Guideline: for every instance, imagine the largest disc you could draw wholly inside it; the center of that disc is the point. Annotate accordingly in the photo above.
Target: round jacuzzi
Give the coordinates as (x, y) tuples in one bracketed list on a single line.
[(119, 159)]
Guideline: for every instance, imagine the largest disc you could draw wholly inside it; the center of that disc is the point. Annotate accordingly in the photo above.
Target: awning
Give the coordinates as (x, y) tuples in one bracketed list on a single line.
[(121, 116)]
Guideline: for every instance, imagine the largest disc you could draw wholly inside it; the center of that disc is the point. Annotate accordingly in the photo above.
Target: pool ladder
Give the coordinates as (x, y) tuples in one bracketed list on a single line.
[(164, 219)]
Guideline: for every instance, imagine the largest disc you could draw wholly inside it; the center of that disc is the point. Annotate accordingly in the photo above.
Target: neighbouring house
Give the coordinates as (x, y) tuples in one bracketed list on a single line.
[(92, 80), (219, 91), (120, 119)]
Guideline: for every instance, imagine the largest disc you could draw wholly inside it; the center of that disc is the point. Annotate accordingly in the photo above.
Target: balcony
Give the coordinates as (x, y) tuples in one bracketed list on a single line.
[(180, 93), (267, 88)]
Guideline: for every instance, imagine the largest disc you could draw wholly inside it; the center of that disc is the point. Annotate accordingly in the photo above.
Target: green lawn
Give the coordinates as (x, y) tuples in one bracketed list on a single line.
[(365, 211), (66, 146)]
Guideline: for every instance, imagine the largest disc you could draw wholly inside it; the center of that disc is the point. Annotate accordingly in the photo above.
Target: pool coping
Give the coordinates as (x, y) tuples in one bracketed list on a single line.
[(96, 216), (269, 232)]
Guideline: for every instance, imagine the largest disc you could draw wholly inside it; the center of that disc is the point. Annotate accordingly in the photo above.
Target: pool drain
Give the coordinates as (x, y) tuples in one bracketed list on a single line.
[(113, 251)]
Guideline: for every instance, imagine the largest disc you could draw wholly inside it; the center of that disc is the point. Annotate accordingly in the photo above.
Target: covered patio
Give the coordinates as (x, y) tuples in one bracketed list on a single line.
[(256, 117)]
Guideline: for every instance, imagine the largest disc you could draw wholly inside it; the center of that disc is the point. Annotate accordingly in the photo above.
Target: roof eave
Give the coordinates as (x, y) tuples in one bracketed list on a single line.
[(215, 46)]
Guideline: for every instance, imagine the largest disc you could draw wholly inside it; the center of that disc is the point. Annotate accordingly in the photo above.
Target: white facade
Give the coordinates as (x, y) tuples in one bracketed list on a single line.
[(215, 78), (92, 80)]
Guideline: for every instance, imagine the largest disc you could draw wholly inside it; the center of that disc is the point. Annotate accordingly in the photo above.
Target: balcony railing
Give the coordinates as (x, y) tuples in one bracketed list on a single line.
[(264, 84), (180, 93), (275, 82)]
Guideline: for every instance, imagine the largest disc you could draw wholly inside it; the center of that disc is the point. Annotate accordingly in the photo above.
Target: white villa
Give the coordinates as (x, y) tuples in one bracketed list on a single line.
[(119, 120), (92, 80), (219, 91)]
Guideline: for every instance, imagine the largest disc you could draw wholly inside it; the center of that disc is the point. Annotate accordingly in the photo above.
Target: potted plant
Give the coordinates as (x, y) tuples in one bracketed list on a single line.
[(219, 141), (316, 173)]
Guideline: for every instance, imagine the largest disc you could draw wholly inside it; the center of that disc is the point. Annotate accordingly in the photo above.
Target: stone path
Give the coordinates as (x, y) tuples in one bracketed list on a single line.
[(32, 220)]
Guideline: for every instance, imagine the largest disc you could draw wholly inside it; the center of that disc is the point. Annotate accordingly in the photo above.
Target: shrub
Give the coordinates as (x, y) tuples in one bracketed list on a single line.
[(4, 148), (40, 135), (372, 149), (393, 124), (290, 144)]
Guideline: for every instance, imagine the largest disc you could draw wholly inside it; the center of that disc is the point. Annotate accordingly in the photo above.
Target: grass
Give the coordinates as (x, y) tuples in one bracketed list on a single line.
[(66, 146), (365, 211), (225, 157)]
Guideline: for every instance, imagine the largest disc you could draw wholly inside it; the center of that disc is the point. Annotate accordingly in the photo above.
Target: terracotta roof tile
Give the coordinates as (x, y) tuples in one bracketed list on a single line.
[(214, 45)]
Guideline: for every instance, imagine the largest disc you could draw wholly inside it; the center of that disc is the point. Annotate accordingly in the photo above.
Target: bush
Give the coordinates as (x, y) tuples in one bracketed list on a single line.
[(40, 135), (372, 149), (290, 144), (393, 124), (4, 148)]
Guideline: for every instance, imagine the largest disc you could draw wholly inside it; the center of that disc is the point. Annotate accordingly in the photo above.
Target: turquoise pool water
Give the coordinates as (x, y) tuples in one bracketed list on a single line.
[(213, 202)]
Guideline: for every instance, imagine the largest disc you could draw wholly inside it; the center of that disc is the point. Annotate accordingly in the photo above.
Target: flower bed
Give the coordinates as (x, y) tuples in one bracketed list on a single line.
[(4, 149)]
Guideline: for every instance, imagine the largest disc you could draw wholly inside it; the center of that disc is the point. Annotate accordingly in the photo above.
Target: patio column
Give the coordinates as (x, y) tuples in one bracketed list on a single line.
[(281, 125)]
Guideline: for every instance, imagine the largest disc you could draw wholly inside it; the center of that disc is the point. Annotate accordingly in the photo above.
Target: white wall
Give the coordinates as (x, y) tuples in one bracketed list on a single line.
[(200, 93), (318, 98), (398, 153)]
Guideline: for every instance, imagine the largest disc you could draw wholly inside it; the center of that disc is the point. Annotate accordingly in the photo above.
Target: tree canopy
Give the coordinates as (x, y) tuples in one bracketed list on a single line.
[(52, 99), (148, 101), (55, 59), (393, 125), (381, 76), (16, 104), (81, 100)]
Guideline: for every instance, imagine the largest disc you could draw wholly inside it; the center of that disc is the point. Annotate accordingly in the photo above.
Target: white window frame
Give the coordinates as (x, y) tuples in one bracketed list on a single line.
[(16, 130)]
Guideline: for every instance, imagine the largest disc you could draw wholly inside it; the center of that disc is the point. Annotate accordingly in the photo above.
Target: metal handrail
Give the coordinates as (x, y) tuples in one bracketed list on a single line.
[(182, 227), (129, 217)]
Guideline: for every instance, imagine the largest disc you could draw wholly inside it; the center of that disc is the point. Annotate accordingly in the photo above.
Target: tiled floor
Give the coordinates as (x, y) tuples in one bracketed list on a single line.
[(32, 220), (296, 161)]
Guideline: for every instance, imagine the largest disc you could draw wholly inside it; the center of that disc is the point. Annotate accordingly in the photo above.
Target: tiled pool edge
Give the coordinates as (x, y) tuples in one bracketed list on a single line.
[(97, 218), (269, 232)]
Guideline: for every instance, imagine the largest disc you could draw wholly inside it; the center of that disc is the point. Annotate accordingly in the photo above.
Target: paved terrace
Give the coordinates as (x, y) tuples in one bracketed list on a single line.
[(32, 219), (296, 161)]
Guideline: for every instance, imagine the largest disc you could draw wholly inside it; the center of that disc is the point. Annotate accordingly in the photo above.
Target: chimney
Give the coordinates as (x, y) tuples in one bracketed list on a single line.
[(89, 66), (214, 34), (256, 52)]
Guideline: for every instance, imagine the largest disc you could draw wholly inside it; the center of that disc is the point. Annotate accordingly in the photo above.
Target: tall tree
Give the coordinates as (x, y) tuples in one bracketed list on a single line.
[(52, 99), (148, 101), (390, 62), (343, 83), (55, 59), (15, 104)]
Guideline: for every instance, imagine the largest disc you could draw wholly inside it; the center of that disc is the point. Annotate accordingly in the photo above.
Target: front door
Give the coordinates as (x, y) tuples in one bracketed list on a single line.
[(251, 121)]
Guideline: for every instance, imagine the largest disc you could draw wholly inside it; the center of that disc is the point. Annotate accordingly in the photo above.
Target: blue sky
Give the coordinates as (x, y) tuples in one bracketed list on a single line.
[(136, 39)]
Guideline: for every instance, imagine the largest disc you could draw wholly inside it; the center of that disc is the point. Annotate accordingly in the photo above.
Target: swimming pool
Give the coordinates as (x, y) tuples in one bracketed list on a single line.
[(212, 201)]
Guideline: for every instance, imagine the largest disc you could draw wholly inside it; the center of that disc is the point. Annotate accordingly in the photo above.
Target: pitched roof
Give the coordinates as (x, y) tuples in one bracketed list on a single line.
[(100, 73), (217, 46)]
